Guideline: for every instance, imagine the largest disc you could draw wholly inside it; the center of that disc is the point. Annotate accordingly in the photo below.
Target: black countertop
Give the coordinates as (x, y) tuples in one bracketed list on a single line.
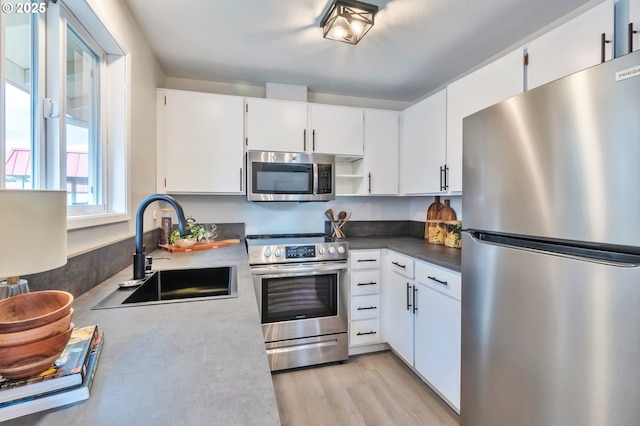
[(416, 247)]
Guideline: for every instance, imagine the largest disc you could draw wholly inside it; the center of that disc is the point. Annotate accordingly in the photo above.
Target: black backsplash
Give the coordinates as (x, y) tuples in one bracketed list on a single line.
[(380, 228), (86, 270)]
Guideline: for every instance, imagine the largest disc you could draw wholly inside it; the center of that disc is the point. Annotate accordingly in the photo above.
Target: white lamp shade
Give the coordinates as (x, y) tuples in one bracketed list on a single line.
[(33, 231)]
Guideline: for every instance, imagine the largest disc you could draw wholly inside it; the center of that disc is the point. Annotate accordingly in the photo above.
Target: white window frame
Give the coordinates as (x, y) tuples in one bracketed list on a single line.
[(115, 78), (100, 175)]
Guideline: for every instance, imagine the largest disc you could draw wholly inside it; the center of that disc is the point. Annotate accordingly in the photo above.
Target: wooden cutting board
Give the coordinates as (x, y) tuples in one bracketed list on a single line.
[(432, 213), (199, 246), (446, 212)]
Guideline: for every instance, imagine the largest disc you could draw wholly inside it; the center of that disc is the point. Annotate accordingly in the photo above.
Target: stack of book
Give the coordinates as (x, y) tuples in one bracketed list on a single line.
[(68, 381)]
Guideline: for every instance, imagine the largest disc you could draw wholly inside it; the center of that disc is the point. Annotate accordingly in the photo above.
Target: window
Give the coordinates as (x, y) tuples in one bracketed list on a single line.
[(82, 136), (20, 96), (57, 138)]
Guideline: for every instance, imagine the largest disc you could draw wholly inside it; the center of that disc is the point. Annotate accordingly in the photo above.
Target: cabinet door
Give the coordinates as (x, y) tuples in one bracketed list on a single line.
[(438, 341), (634, 21), (423, 148), (336, 130), (381, 135), (571, 47), (489, 85), (399, 316), (200, 142), (274, 125)]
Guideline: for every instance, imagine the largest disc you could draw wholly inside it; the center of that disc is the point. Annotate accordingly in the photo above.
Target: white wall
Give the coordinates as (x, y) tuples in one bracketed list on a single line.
[(419, 205), (145, 75), (240, 89), (269, 218)]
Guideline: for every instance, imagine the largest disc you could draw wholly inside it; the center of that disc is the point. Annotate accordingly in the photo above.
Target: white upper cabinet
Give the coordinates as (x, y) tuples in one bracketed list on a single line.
[(424, 145), (274, 125), (634, 24), (484, 87), (573, 46), (199, 142), (381, 135), (336, 130)]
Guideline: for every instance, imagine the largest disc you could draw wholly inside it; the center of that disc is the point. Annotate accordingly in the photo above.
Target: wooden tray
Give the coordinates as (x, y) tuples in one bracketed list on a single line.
[(199, 246)]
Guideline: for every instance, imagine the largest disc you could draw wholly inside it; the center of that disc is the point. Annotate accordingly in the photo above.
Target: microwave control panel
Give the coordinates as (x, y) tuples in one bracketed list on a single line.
[(325, 179)]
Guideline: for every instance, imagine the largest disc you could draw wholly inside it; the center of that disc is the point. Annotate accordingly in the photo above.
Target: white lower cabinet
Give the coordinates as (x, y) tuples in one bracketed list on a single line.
[(422, 321), (397, 293), (438, 329), (364, 298)]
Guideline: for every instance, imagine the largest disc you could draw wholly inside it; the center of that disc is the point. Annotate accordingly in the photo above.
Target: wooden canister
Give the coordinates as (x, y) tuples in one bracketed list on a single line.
[(432, 214)]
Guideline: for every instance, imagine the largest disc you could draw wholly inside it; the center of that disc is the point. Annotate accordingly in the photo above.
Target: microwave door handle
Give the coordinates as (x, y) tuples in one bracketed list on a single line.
[(315, 178)]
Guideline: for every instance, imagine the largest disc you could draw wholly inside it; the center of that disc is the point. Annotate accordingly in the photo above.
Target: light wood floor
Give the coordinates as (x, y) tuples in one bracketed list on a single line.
[(370, 389)]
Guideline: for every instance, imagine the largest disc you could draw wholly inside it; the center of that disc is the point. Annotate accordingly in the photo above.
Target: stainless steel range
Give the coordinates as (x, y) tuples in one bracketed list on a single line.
[(298, 281)]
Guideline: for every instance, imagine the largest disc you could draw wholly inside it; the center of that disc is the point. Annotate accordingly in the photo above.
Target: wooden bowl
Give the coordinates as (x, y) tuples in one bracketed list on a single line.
[(29, 359), (30, 310), (37, 333)]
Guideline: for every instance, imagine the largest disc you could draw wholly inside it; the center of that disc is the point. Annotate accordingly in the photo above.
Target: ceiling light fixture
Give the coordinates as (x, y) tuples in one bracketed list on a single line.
[(348, 20)]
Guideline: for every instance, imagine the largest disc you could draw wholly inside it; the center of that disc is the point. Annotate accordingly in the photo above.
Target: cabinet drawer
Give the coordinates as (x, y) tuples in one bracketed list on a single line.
[(401, 264), (365, 282), (438, 278), (364, 259), (364, 332), (365, 307)]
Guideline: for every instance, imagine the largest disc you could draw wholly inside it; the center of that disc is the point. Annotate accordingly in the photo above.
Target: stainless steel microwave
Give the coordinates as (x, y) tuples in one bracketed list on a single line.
[(290, 176)]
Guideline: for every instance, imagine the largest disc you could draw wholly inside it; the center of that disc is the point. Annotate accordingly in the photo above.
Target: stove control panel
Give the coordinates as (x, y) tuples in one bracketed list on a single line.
[(297, 252)]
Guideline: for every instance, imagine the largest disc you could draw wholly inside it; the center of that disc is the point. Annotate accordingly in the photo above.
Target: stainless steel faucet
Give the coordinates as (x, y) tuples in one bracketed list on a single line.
[(139, 256)]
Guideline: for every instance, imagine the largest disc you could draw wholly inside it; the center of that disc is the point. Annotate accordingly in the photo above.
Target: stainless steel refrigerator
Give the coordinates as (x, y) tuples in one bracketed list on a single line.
[(551, 259)]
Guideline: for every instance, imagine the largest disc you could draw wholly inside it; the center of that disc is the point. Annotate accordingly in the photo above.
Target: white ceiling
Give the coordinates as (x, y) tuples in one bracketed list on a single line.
[(415, 46)]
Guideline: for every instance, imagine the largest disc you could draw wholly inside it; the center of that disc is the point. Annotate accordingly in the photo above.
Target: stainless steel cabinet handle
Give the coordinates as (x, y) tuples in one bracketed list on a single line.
[(367, 260), (313, 140), (408, 301), (397, 264), (438, 281), (240, 179), (367, 333), (631, 33), (367, 308), (304, 140), (369, 183), (371, 283), (415, 298)]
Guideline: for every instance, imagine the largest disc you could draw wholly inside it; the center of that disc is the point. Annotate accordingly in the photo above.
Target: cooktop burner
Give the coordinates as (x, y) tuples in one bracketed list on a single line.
[(292, 248)]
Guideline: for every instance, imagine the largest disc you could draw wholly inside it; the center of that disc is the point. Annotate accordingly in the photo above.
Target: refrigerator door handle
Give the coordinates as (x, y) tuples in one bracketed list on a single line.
[(576, 251)]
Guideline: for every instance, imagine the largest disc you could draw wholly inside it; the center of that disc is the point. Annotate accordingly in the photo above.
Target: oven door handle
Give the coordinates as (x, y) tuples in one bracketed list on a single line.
[(293, 271)]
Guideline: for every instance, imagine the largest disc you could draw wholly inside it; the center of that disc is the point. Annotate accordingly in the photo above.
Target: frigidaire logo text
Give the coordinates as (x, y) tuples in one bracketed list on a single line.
[(628, 73)]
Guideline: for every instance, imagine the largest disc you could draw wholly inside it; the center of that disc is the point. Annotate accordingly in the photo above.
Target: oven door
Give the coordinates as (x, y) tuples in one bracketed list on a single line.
[(301, 300)]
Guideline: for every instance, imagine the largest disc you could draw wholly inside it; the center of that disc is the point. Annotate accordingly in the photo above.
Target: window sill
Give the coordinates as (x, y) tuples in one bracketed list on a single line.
[(88, 221)]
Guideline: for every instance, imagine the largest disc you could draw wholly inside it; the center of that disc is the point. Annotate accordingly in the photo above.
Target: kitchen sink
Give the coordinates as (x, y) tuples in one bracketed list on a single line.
[(176, 285)]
